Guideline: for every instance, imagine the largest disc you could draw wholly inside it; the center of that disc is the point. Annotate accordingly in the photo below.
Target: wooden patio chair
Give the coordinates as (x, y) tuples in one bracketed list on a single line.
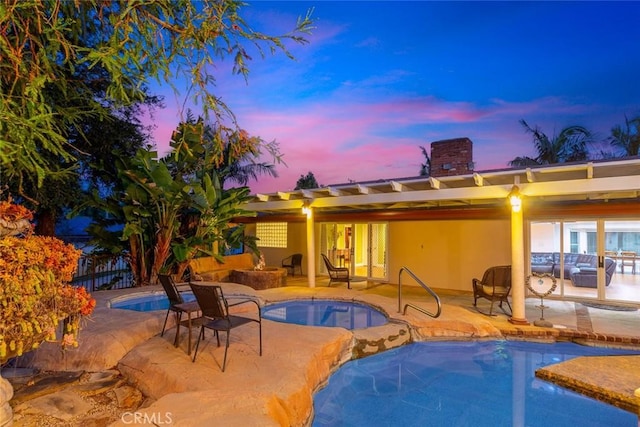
[(291, 262), (494, 286), (215, 310), (337, 274), (178, 306)]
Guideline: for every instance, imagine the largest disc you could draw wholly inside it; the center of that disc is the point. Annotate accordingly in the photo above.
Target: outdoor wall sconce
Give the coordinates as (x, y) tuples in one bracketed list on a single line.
[(515, 199)]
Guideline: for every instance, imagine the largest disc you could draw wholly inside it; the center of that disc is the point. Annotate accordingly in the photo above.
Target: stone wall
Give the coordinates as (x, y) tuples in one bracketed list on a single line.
[(270, 277)]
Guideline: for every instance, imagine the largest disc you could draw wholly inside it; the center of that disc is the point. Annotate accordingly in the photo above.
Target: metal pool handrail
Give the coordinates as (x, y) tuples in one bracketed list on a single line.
[(425, 287)]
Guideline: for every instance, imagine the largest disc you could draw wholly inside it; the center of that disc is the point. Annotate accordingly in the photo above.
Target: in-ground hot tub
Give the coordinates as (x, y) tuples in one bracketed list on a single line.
[(269, 277), (325, 312)]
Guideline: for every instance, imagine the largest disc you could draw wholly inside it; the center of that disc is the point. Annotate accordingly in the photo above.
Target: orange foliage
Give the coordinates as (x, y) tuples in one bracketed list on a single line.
[(34, 291), (12, 212)]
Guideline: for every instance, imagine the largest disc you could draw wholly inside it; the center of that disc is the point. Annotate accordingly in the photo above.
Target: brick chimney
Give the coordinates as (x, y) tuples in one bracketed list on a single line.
[(451, 157)]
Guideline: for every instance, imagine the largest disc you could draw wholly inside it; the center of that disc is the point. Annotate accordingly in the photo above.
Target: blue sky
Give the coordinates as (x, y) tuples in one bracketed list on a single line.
[(380, 79)]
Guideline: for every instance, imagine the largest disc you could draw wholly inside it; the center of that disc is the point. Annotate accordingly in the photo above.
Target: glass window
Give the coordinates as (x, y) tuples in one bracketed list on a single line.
[(592, 242), (574, 242)]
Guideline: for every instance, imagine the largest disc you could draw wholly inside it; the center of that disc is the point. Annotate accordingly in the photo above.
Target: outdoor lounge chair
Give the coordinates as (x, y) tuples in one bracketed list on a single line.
[(215, 310), (293, 261), (336, 274), (178, 306), (494, 286)]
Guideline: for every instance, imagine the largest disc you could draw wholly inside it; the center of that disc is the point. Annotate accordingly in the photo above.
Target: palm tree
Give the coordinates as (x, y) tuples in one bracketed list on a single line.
[(425, 168), (627, 139), (241, 165), (570, 145), (238, 155)]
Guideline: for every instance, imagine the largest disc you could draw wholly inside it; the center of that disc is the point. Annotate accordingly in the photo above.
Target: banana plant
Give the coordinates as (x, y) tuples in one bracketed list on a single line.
[(160, 194), (177, 207), (213, 209)]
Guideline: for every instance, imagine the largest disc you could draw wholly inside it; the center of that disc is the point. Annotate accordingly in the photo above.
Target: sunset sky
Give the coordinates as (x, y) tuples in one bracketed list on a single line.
[(380, 79)]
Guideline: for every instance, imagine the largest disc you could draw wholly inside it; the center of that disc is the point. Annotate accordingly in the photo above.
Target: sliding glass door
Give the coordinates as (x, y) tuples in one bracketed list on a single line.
[(622, 263), (589, 259)]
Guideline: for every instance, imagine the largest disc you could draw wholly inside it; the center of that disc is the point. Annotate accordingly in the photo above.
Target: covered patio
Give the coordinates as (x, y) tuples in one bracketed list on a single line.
[(582, 191)]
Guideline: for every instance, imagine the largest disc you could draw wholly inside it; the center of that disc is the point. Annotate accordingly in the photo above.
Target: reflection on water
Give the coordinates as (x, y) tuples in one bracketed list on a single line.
[(489, 383), (348, 315), (148, 302)]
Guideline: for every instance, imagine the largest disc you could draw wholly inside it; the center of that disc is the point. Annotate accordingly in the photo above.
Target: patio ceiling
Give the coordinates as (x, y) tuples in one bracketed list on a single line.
[(597, 180)]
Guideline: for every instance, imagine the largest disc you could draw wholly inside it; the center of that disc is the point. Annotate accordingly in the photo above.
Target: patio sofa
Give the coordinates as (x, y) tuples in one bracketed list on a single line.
[(580, 268), (208, 268)]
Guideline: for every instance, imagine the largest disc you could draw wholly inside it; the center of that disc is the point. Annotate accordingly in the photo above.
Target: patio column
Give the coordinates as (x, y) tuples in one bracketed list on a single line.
[(518, 316), (311, 248)]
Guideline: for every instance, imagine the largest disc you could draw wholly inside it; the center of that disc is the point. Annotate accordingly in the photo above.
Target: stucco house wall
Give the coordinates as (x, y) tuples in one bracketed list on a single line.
[(296, 243), (444, 254), (447, 254)]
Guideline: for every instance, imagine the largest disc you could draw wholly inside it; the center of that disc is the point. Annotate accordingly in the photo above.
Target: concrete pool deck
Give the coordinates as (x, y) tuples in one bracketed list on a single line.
[(277, 388)]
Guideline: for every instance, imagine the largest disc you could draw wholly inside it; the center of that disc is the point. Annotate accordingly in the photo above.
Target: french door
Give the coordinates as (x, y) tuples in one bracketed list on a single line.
[(360, 247)]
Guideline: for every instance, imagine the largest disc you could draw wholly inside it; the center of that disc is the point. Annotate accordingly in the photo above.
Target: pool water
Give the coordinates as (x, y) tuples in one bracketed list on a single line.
[(324, 312), (488, 383), (148, 302)]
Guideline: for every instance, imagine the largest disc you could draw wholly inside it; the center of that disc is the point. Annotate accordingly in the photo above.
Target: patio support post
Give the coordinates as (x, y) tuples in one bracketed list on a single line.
[(311, 249), (518, 315)]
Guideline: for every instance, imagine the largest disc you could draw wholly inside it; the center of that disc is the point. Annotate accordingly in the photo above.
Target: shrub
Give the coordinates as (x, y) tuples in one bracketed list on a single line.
[(35, 294)]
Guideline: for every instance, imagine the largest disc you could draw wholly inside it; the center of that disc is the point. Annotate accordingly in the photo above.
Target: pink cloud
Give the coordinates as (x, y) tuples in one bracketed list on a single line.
[(347, 136), (341, 142)]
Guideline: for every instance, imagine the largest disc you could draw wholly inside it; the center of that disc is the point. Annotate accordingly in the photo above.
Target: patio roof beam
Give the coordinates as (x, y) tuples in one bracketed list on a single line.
[(436, 183), (580, 186), (307, 194), (583, 187), (530, 175), (479, 180), (334, 192), (587, 181), (396, 186)]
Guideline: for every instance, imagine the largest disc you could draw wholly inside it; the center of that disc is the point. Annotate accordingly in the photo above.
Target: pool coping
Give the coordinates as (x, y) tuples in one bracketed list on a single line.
[(599, 378), (132, 295), (593, 376)]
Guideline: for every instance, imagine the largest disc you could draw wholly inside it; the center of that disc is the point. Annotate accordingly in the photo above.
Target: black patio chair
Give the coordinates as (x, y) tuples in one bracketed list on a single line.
[(291, 262), (494, 286), (337, 274), (178, 306), (215, 310)]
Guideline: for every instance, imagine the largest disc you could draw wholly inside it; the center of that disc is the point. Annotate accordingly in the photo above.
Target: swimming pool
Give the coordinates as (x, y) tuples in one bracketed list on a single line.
[(148, 301), (325, 312), (488, 383)]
